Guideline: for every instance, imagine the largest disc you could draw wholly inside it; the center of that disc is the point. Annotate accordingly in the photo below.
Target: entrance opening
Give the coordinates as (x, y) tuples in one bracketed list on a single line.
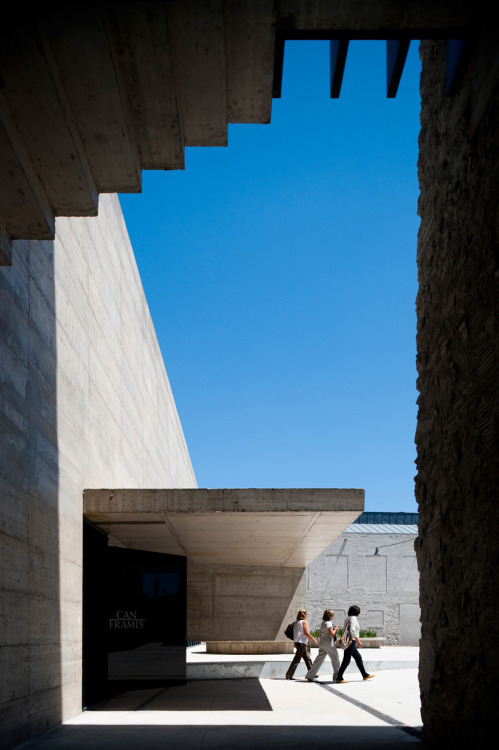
[(134, 618)]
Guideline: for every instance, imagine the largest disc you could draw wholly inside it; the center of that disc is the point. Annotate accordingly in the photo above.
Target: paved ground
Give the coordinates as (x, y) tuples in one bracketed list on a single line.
[(201, 665), (253, 713)]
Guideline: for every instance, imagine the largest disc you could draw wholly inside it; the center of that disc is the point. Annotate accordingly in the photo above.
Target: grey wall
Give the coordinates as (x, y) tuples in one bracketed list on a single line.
[(384, 586), (84, 403), (457, 434), (237, 603)]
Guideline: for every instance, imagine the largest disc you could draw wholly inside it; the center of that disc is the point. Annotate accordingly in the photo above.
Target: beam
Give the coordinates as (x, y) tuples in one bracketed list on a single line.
[(338, 49), (198, 47), (5, 248), (84, 56), (142, 48), (396, 54), (249, 59)]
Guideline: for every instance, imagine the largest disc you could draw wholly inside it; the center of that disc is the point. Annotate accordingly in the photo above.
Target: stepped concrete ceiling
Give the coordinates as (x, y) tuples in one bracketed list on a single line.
[(265, 527), (93, 93)]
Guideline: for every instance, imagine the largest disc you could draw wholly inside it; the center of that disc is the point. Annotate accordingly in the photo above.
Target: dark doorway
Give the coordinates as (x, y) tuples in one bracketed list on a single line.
[(134, 622)]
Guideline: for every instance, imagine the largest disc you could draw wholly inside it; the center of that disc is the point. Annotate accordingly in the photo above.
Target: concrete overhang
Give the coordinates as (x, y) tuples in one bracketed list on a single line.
[(265, 527)]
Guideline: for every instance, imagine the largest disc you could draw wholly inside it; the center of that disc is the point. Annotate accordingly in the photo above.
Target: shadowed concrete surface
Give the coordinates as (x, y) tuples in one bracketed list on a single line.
[(266, 713)]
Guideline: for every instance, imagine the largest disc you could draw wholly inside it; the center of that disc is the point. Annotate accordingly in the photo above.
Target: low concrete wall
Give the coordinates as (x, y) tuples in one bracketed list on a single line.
[(249, 647)]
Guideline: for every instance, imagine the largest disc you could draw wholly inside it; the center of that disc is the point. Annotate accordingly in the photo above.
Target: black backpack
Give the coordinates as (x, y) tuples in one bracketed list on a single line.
[(289, 632)]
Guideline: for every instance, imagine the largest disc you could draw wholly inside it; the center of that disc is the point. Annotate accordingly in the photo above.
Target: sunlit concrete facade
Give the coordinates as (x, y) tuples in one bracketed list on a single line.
[(90, 97)]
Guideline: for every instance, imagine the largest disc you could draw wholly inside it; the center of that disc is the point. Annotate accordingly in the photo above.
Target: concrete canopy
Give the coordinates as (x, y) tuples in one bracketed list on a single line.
[(93, 93), (257, 527)]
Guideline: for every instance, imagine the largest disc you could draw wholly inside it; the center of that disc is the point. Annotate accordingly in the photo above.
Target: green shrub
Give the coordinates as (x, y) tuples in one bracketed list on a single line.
[(362, 633)]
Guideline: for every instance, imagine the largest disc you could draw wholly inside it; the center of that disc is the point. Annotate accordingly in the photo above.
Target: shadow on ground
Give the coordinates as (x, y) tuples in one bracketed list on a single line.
[(223, 737), (199, 695)]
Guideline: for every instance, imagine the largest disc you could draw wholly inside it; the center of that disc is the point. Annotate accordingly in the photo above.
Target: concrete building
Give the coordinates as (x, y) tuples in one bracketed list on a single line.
[(372, 564), (91, 94)]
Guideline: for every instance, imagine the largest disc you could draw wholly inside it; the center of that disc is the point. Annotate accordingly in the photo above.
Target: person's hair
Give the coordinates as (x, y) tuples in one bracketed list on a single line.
[(354, 610), (328, 615), (302, 614)]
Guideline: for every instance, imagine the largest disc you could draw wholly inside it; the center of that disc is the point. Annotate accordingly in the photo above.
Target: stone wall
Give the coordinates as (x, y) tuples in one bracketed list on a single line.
[(457, 433), (84, 403), (385, 586)]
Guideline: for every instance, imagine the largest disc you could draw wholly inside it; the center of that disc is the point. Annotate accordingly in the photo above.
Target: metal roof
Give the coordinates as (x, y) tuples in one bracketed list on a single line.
[(381, 528)]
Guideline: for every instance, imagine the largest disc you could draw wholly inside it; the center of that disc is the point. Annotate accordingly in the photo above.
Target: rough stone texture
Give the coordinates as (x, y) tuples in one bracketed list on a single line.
[(383, 586), (457, 434), (84, 402)]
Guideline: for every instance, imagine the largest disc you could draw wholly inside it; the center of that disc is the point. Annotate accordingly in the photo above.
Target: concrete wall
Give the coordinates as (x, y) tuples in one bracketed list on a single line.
[(384, 586), (84, 402), (457, 434), (235, 603)]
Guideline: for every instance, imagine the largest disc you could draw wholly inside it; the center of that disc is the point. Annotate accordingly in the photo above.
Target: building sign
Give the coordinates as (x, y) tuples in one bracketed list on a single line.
[(126, 619)]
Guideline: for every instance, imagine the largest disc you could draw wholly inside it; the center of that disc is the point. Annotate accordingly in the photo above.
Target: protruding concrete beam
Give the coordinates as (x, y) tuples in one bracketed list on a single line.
[(5, 248), (143, 51), (198, 45), (249, 55), (396, 54), (38, 105), (81, 47), (338, 49), (24, 208)]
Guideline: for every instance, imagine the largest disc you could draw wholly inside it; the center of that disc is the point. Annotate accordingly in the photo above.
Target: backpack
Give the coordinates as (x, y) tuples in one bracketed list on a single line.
[(289, 632)]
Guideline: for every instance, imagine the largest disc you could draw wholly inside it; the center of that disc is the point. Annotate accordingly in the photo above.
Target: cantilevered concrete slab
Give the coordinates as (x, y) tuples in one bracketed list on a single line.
[(262, 527), (246, 549)]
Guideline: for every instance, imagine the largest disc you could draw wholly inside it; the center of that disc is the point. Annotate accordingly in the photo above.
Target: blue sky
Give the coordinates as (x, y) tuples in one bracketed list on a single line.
[(281, 277)]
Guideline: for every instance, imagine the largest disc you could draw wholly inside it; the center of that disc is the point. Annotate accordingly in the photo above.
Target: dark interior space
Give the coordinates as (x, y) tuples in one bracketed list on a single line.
[(134, 624)]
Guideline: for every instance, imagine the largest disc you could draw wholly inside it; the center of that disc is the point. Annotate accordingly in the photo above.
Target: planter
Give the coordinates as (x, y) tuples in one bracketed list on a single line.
[(249, 647), (372, 642)]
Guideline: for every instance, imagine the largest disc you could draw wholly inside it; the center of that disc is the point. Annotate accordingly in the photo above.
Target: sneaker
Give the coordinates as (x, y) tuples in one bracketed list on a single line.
[(309, 679), (341, 682), (369, 677)]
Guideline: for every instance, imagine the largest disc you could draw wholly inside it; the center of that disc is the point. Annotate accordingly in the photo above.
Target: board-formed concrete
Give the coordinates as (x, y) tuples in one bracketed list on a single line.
[(62, 143), (259, 527), (84, 401), (93, 93), (246, 549)]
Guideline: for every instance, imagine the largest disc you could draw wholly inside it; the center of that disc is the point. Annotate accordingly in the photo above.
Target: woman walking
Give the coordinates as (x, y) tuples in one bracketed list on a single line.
[(326, 647), (351, 626), (301, 634)]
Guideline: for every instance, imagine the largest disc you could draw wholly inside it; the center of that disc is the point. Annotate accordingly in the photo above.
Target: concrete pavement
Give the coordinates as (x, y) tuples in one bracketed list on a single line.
[(253, 713)]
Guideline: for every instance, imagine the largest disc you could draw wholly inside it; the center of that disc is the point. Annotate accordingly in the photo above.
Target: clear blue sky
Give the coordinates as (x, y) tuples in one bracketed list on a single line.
[(281, 277)]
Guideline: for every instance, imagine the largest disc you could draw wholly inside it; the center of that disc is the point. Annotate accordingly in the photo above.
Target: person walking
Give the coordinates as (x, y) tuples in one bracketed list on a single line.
[(352, 627), (301, 634), (327, 633)]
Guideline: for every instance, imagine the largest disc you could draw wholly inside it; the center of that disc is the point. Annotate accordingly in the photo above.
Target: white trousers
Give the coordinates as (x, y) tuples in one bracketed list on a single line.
[(326, 648)]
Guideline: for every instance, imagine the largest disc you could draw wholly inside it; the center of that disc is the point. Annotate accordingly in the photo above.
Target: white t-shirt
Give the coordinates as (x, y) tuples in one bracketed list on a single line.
[(325, 628), (298, 632)]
